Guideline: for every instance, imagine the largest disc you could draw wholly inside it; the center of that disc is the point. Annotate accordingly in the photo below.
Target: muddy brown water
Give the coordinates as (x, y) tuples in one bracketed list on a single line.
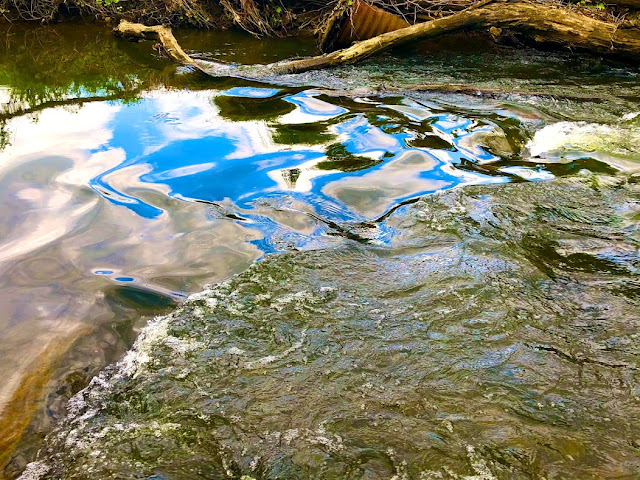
[(431, 285)]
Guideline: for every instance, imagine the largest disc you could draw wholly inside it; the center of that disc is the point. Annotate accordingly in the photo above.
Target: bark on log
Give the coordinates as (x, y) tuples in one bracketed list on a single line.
[(158, 32), (545, 24), (422, 7), (360, 21)]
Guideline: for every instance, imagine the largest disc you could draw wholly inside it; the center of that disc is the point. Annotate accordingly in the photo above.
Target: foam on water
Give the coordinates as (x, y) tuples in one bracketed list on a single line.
[(617, 144)]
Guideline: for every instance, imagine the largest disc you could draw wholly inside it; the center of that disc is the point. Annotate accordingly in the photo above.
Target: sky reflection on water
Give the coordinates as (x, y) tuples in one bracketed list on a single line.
[(183, 187), (182, 145)]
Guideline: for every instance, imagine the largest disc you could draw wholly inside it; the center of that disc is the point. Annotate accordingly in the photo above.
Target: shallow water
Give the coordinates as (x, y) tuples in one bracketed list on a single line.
[(502, 343), (128, 185)]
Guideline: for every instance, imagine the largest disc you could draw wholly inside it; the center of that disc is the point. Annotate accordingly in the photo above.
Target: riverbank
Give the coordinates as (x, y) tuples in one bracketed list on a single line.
[(589, 24)]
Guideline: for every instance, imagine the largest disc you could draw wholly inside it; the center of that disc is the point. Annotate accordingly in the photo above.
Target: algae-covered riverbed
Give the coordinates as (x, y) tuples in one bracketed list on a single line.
[(400, 284)]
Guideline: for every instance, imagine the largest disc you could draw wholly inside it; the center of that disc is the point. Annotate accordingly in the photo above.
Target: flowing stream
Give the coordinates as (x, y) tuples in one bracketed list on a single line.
[(334, 275)]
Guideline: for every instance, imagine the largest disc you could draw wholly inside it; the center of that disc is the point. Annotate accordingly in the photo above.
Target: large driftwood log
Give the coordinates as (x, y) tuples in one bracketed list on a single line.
[(541, 23)]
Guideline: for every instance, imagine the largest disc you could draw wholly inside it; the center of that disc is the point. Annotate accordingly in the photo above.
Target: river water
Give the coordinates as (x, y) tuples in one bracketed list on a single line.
[(429, 284)]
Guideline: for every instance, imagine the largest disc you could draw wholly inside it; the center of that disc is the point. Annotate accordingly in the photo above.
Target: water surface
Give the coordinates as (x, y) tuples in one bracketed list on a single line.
[(128, 184)]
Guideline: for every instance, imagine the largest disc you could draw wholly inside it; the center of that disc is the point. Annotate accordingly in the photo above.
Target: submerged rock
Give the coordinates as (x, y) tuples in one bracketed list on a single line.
[(496, 338)]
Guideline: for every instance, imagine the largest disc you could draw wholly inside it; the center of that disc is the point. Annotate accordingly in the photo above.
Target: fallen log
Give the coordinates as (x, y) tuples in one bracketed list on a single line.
[(540, 23), (163, 34), (417, 8)]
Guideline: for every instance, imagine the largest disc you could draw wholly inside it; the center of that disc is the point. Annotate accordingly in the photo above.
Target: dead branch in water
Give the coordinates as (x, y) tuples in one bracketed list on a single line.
[(163, 34), (543, 24)]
